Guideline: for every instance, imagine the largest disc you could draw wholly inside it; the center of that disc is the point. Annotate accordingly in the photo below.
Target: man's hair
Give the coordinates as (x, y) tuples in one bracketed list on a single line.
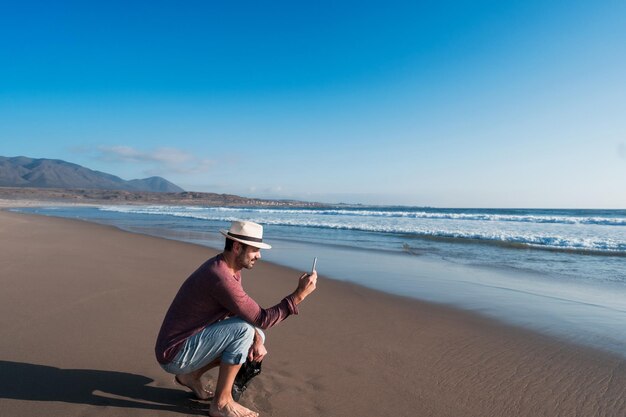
[(228, 245)]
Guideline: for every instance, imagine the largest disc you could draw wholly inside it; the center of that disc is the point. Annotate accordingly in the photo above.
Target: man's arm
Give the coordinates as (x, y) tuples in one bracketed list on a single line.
[(306, 285), (233, 298), (230, 295)]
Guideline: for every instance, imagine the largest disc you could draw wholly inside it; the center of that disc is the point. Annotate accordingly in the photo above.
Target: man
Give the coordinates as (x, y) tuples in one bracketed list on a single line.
[(213, 322)]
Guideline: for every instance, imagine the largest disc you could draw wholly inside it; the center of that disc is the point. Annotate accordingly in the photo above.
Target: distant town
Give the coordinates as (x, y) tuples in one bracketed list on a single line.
[(55, 195)]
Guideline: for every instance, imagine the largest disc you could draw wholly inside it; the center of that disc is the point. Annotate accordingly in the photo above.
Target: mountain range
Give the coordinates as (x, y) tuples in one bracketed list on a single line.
[(21, 171)]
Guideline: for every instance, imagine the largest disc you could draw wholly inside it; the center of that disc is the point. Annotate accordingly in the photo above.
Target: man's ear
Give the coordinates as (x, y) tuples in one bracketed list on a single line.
[(237, 247)]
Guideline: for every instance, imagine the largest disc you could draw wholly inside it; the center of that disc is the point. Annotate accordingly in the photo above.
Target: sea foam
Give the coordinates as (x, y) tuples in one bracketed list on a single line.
[(531, 230)]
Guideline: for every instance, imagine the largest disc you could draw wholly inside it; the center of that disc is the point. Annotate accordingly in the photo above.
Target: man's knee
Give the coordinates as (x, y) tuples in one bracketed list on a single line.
[(245, 332), (242, 334)]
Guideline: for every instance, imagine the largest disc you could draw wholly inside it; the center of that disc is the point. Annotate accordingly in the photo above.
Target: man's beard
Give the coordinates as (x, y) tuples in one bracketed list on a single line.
[(243, 261)]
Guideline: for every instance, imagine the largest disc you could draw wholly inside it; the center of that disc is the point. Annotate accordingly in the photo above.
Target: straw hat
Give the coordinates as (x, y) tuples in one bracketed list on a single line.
[(248, 233)]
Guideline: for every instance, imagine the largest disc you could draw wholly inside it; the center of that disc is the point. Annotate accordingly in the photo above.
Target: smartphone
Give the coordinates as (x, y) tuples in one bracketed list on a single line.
[(314, 263)]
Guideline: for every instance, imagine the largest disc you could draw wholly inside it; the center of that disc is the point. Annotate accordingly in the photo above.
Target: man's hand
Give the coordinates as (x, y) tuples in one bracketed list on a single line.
[(257, 351), (306, 285)]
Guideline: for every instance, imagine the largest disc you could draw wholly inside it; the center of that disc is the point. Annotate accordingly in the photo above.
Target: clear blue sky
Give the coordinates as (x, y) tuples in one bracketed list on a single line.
[(440, 103)]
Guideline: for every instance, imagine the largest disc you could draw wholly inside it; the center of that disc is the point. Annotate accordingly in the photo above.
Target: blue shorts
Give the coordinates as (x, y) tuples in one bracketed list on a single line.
[(229, 340)]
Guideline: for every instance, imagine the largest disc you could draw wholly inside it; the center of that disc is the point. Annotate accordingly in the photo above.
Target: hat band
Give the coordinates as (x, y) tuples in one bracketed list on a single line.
[(242, 237)]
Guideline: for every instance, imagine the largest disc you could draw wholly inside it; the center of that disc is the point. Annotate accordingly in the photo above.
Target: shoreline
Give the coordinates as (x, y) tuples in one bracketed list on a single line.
[(577, 313), (487, 290), (105, 291)]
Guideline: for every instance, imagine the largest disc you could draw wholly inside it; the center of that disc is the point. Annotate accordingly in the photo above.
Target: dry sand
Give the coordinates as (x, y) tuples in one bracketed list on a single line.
[(81, 304)]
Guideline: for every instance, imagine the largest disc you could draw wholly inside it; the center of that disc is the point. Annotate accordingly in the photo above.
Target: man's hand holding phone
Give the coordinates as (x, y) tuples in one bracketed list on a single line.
[(306, 284)]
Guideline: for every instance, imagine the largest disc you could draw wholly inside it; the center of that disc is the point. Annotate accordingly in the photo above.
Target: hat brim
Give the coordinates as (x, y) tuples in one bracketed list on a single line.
[(259, 245)]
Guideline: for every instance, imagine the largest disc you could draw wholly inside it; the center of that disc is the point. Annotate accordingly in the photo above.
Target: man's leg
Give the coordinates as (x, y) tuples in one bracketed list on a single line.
[(193, 380), (223, 404), (226, 343)]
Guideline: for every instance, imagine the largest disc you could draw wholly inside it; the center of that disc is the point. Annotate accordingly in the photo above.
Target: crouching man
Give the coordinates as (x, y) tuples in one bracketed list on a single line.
[(213, 322)]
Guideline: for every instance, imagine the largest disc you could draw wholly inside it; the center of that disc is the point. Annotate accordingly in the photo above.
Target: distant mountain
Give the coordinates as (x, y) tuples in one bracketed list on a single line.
[(155, 184), (21, 171)]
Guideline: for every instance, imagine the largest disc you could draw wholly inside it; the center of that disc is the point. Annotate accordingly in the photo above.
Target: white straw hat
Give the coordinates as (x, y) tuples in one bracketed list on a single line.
[(248, 233)]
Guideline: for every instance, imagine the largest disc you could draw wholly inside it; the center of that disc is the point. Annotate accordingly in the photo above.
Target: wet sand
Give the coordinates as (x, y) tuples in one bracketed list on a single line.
[(81, 305)]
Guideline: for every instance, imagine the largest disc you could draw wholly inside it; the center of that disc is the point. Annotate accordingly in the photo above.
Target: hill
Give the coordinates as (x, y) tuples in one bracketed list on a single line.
[(22, 171)]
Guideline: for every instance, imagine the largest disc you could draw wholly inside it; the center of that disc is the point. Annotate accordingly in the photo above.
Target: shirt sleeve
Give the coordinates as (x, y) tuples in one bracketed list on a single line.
[(233, 298)]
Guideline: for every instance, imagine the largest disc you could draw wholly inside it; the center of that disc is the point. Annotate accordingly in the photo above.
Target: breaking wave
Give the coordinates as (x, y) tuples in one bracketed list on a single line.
[(484, 228)]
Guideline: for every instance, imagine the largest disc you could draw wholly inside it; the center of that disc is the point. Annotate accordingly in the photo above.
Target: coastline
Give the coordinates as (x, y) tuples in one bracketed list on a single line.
[(578, 299), (90, 304)]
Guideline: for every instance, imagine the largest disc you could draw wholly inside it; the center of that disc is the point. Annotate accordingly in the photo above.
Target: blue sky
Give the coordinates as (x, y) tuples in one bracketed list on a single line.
[(438, 103)]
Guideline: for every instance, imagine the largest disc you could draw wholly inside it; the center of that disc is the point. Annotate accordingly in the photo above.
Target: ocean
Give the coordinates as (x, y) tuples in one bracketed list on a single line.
[(559, 272)]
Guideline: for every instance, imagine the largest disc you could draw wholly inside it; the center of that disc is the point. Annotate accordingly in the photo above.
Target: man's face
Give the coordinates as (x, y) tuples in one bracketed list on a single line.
[(247, 256)]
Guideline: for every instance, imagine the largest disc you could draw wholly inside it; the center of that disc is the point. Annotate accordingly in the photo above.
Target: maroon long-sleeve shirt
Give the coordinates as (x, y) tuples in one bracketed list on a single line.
[(209, 295)]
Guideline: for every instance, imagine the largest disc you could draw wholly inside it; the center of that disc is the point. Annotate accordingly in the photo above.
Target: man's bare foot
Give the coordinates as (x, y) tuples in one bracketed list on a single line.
[(195, 385), (230, 409)]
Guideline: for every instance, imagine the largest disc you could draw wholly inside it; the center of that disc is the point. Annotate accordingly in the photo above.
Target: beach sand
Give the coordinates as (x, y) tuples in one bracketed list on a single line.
[(81, 304)]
